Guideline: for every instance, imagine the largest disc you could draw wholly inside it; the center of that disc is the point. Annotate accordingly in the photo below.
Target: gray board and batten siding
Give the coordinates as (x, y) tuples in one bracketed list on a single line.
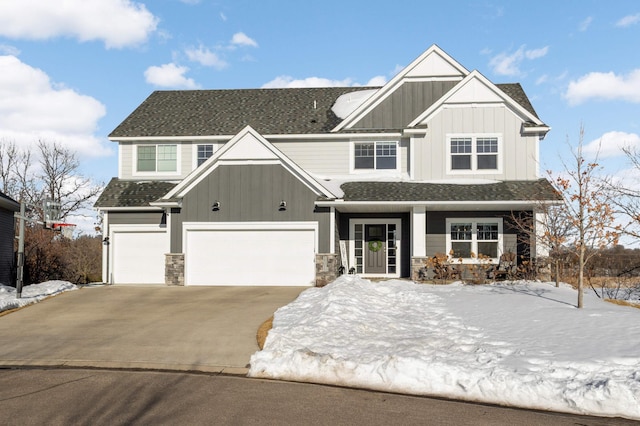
[(6, 247), (250, 193), (404, 105)]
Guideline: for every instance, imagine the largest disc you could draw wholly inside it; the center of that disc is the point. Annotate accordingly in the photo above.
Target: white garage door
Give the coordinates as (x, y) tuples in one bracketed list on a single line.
[(251, 254), (138, 257)]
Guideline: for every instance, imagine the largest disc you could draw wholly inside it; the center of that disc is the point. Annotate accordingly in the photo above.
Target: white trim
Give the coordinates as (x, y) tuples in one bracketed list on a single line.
[(474, 240), (274, 136), (128, 209), (339, 203), (156, 174), (332, 230), (474, 154), (419, 231), (376, 221), (105, 249), (412, 159)]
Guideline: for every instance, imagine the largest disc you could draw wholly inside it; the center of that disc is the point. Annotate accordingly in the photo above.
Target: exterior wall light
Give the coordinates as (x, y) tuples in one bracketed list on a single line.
[(283, 205), (216, 206)]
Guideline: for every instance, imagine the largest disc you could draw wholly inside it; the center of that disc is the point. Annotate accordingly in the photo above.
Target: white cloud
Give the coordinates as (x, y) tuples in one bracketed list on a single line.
[(206, 57), (6, 49), (33, 107), (608, 86), (118, 23), (169, 75), (610, 144), (288, 81), (241, 39), (542, 79), (509, 63), (190, 1), (223, 16), (584, 25), (628, 20), (378, 80), (536, 53)]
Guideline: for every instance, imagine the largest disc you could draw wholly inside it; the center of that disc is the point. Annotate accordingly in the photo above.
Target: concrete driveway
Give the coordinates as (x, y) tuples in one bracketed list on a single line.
[(209, 329)]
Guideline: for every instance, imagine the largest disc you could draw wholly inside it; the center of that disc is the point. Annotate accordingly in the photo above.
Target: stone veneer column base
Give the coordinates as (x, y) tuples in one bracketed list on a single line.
[(326, 268), (174, 269), (417, 263)]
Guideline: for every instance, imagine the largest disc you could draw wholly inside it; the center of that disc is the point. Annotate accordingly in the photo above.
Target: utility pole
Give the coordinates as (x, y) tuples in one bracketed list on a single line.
[(20, 271)]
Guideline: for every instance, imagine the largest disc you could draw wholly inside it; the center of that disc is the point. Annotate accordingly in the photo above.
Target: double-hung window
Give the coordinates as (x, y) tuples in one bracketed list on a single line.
[(375, 155), (157, 158), (473, 239), (474, 153)]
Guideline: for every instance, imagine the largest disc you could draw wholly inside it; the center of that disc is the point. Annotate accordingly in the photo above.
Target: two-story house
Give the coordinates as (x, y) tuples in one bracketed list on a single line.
[(285, 186)]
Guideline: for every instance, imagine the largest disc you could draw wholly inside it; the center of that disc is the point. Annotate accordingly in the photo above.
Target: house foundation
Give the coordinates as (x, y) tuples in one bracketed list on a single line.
[(326, 268), (174, 269)]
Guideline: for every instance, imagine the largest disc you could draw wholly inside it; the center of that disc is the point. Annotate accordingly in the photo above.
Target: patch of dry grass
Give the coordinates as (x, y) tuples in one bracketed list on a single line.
[(623, 303), (263, 330)]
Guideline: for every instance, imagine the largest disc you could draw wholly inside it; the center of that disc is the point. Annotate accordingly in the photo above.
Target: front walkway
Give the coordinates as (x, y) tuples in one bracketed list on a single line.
[(147, 327)]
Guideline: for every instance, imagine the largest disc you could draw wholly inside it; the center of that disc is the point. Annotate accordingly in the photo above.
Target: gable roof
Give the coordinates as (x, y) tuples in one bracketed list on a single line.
[(477, 88), (129, 193), (537, 190), (226, 112), (434, 63), (247, 146)]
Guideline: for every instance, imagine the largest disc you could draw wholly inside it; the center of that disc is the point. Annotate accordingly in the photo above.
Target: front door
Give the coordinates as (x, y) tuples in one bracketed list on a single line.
[(375, 249), (375, 246)]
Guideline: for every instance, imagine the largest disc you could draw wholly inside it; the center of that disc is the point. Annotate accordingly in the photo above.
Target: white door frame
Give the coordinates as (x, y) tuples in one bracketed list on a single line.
[(373, 221)]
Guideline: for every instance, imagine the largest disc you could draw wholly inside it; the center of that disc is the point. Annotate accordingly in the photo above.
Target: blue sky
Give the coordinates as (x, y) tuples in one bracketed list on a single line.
[(72, 70)]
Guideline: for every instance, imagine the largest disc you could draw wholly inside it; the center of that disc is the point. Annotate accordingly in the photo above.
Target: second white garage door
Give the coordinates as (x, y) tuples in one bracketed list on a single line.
[(251, 254)]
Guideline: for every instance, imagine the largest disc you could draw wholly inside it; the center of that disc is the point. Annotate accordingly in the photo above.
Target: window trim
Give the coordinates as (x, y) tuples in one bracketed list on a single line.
[(474, 154), (352, 154), (214, 148), (134, 156), (474, 237)]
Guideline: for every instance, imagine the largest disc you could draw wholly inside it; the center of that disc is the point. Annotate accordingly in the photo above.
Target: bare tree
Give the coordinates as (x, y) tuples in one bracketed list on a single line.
[(61, 180), (588, 209)]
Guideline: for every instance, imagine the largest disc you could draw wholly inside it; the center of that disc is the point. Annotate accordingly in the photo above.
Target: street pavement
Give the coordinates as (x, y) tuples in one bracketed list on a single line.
[(96, 397)]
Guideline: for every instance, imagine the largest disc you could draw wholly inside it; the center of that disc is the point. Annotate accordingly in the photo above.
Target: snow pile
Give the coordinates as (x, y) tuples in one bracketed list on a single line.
[(31, 294), (522, 344)]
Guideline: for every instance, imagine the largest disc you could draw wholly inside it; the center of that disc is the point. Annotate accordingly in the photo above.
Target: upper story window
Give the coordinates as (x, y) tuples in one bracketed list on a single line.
[(474, 239), (204, 152), (157, 158), (474, 153), (375, 155)]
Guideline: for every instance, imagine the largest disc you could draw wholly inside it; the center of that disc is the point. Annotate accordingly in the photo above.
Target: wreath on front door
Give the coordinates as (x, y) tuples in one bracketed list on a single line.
[(375, 246)]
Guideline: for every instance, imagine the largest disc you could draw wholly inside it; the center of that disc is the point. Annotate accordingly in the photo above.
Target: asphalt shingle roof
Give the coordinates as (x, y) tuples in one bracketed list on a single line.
[(226, 112), (127, 193), (537, 190)]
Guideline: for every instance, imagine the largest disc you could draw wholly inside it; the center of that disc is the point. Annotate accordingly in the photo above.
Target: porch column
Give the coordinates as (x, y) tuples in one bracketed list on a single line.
[(418, 231)]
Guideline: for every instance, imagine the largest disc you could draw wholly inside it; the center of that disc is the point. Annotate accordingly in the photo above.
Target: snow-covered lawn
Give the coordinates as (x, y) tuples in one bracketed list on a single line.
[(514, 343), (31, 293)]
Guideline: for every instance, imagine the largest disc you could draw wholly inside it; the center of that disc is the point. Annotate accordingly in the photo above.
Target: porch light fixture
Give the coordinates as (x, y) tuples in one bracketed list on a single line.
[(283, 206), (216, 206)]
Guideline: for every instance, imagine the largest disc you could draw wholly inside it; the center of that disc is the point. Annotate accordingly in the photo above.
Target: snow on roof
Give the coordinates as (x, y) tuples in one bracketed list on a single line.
[(347, 103)]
